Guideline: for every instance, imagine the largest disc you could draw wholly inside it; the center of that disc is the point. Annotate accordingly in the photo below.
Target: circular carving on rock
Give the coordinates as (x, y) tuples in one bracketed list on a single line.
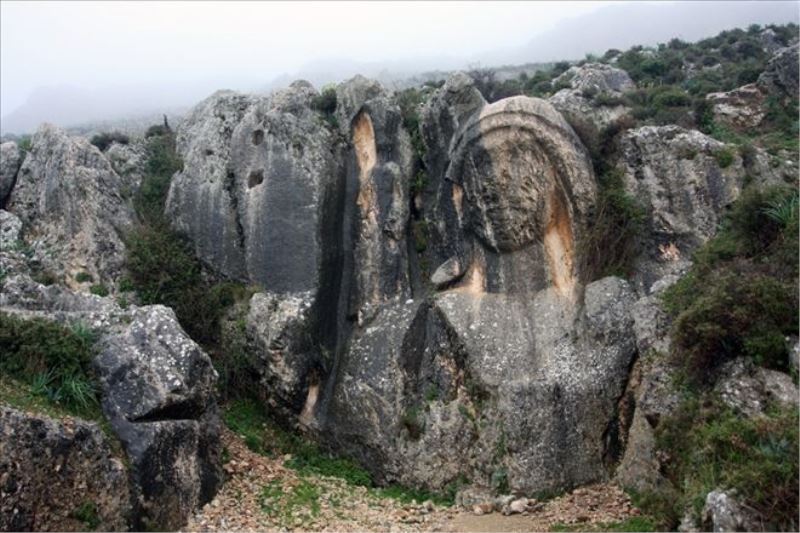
[(507, 180)]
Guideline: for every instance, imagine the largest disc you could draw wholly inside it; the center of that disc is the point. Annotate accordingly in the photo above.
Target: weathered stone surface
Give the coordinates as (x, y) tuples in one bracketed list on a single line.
[(10, 229), (510, 196), (257, 174), (50, 468), (379, 164), (70, 202), (593, 100), (655, 398), (677, 176), (722, 512), (280, 326), (128, 161), (158, 394), (751, 389), (740, 108), (10, 160), (782, 73)]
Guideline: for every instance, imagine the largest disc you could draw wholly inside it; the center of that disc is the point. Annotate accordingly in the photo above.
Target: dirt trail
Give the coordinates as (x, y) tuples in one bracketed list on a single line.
[(262, 494)]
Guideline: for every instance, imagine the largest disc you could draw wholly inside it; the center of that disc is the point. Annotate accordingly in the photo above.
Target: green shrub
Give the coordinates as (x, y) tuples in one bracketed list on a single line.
[(83, 277), (99, 289), (611, 243), (740, 298), (711, 447), (87, 513), (104, 140), (724, 158), (325, 103), (53, 359)]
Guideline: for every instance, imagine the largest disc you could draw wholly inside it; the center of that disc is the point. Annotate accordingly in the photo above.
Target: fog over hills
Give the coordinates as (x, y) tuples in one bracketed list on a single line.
[(69, 103)]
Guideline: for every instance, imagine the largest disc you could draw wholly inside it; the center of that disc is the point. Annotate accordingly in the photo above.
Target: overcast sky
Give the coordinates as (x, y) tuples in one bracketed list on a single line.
[(92, 46)]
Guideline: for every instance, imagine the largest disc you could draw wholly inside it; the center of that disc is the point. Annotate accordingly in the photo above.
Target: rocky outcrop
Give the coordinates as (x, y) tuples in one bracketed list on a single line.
[(452, 386), (751, 390), (740, 108), (10, 160), (684, 180), (745, 107), (55, 475), (722, 512), (70, 202), (157, 390), (128, 161), (782, 75), (158, 394), (593, 100)]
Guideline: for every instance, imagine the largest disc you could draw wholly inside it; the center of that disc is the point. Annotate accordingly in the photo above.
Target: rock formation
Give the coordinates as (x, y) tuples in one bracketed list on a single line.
[(69, 199), (10, 161), (50, 469)]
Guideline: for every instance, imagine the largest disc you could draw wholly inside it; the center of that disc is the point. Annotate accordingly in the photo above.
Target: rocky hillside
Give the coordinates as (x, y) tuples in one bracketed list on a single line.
[(470, 289)]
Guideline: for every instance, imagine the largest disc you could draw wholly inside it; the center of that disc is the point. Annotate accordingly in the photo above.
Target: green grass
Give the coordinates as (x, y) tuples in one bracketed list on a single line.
[(289, 508), (52, 359), (87, 513), (99, 289), (83, 277), (712, 447)]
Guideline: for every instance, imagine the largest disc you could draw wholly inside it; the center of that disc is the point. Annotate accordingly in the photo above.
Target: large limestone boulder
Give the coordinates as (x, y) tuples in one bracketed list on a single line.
[(782, 73), (258, 174), (593, 100), (684, 180), (158, 394), (54, 473), (10, 160), (70, 202)]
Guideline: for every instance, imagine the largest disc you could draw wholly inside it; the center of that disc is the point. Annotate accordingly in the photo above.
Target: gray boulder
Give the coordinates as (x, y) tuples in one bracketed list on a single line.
[(741, 108), (70, 202), (682, 179), (128, 161), (593, 100), (158, 393), (722, 512), (56, 473), (781, 75), (751, 389), (10, 160)]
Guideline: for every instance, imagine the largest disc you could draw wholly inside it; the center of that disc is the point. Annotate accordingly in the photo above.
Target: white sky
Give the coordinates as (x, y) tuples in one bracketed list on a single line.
[(94, 44)]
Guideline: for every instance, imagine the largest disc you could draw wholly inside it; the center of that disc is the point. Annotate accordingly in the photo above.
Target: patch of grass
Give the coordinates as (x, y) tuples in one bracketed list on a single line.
[(99, 289), (83, 277), (299, 504), (724, 157), (87, 513), (712, 447), (53, 359)]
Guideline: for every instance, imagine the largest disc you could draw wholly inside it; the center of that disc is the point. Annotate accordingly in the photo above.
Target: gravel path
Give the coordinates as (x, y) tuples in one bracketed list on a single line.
[(260, 494)]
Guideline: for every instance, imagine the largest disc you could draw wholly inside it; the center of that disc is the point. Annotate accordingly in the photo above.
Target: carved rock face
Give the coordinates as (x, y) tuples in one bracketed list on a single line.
[(520, 183)]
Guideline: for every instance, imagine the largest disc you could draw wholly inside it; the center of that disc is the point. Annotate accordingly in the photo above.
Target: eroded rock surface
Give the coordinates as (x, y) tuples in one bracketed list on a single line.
[(593, 100), (51, 469), (158, 394), (10, 160), (70, 201)]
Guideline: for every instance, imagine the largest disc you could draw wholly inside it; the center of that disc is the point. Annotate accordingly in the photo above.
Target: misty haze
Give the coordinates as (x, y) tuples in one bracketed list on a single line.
[(137, 60)]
